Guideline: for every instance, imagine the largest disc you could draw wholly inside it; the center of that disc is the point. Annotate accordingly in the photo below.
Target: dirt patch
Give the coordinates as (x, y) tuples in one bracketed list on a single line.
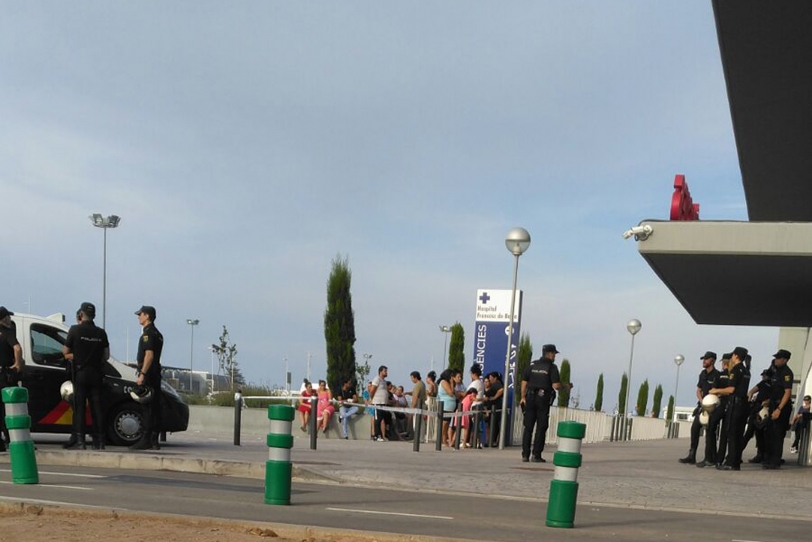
[(20, 522)]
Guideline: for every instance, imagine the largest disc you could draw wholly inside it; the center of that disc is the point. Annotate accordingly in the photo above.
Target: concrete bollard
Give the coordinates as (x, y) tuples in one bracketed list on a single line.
[(278, 468), (564, 486), (21, 447)]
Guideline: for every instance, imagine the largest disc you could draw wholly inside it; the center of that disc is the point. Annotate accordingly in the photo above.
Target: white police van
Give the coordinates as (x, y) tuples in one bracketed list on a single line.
[(46, 368)]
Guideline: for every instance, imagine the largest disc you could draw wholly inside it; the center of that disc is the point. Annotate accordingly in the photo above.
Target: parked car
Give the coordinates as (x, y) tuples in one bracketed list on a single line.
[(41, 339)]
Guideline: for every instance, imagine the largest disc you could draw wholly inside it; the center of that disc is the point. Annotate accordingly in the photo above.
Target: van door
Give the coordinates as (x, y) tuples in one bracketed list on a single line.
[(43, 377)]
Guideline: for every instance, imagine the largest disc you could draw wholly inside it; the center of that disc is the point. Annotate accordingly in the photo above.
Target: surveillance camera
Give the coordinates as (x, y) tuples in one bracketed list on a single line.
[(640, 233)]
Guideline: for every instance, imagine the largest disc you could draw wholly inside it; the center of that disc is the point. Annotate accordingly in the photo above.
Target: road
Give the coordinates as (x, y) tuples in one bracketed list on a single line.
[(390, 510)]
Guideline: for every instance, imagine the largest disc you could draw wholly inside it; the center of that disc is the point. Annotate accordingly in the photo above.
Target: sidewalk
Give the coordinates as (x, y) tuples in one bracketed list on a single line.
[(642, 474)]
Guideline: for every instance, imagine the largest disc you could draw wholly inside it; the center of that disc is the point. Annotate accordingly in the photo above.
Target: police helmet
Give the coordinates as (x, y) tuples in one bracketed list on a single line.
[(704, 418), (141, 394), (709, 403), (762, 416), (66, 390)]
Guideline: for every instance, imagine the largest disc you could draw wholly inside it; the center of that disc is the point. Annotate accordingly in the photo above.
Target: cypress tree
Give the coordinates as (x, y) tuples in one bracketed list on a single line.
[(456, 348), (669, 415), (642, 399), (524, 356), (658, 401), (564, 391), (339, 325), (599, 395), (621, 398)]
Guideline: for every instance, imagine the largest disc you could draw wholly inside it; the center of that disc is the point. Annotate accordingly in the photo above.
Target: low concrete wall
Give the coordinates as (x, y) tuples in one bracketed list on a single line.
[(255, 422)]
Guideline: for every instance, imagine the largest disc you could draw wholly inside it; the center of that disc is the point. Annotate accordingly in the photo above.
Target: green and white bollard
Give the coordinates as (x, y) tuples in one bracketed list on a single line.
[(278, 468), (564, 487), (21, 447)]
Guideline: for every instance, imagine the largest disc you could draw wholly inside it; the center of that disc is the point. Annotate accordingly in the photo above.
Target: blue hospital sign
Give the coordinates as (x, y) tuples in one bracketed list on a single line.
[(491, 338)]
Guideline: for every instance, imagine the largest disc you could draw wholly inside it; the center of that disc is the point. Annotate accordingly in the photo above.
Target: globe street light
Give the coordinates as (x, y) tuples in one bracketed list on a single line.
[(104, 223), (633, 327), (517, 242), (446, 330), (678, 360), (192, 324)]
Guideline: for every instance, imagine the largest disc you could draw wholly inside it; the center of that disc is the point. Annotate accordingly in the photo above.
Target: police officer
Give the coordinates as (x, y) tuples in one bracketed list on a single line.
[(780, 410), (11, 363), (736, 416), (150, 346), (538, 382), (758, 394), (708, 378), (87, 348), (716, 423)]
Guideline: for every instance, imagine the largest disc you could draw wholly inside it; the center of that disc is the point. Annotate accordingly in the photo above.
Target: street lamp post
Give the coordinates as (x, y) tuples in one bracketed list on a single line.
[(632, 326), (212, 349), (678, 360), (104, 223), (192, 324), (446, 330), (517, 242)]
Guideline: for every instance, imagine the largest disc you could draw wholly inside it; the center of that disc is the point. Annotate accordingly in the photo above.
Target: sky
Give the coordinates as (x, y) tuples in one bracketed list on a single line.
[(245, 145)]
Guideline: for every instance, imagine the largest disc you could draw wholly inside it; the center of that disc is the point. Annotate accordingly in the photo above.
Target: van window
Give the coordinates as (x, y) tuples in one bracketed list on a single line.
[(46, 345)]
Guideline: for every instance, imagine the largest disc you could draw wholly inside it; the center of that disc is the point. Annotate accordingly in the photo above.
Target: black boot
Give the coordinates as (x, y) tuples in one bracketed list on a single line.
[(75, 441), (98, 442), (757, 459), (689, 459)]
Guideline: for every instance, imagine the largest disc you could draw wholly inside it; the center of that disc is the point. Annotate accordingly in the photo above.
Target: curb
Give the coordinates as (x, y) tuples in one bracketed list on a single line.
[(154, 462)]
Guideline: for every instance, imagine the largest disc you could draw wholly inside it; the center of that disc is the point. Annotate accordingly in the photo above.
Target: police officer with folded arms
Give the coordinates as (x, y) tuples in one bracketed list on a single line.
[(736, 416), (539, 381), (708, 378), (87, 348), (150, 346), (11, 363), (780, 410)]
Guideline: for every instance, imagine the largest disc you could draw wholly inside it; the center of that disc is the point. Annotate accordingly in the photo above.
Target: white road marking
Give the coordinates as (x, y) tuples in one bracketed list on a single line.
[(65, 474), (58, 503), (387, 513), (50, 485)]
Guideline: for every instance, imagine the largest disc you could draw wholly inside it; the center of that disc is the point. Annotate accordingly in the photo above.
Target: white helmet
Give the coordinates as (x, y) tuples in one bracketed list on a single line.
[(709, 403), (704, 418), (66, 390)]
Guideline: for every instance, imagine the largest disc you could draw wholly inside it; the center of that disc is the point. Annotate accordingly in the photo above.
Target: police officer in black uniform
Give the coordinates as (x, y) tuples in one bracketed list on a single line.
[(538, 382), (87, 348), (150, 346), (780, 410), (11, 363), (708, 378), (755, 426), (736, 416)]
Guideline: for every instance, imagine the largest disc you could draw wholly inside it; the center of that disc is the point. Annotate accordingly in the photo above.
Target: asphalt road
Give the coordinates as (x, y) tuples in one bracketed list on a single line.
[(385, 509)]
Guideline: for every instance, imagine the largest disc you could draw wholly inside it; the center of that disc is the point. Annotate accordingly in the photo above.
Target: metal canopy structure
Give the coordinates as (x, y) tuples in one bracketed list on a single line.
[(756, 273), (735, 273), (766, 50)]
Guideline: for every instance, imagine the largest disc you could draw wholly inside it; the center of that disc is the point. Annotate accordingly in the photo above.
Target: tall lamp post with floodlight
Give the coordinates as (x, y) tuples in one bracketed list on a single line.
[(192, 324), (678, 360), (212, 349), (446, 330), (105, 223), (633, 327), (517, 242)]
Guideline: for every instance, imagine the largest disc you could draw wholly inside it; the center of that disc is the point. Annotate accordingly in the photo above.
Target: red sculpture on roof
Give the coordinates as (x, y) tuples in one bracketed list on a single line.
[(682, 206)]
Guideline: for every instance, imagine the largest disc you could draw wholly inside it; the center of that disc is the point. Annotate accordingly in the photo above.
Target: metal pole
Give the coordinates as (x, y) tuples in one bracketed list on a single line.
[(192, 360), (508, 375), (237, 417), (438, 442), (104, 282), (676, 392), (628, 389), (445, 348)]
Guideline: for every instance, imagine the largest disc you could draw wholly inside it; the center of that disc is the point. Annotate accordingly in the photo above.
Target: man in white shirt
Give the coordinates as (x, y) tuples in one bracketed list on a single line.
[(379, 395)]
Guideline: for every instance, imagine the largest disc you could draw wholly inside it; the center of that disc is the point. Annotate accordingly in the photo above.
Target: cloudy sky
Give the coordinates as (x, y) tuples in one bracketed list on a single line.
[(246, 144)]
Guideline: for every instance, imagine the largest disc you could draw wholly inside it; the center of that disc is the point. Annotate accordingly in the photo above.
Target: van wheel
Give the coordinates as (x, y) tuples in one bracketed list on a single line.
[(126, 425)]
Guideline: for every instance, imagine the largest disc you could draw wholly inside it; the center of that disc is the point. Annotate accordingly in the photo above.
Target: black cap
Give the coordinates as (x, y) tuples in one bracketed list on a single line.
[(549, 348), (5, 312), (782, 354), (89, 309), (741, 352), (709, 354), (149, 311)]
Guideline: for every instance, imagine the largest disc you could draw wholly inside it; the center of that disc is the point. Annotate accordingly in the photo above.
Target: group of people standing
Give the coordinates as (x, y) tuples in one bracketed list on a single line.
[(86, 349), (741, 411)]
